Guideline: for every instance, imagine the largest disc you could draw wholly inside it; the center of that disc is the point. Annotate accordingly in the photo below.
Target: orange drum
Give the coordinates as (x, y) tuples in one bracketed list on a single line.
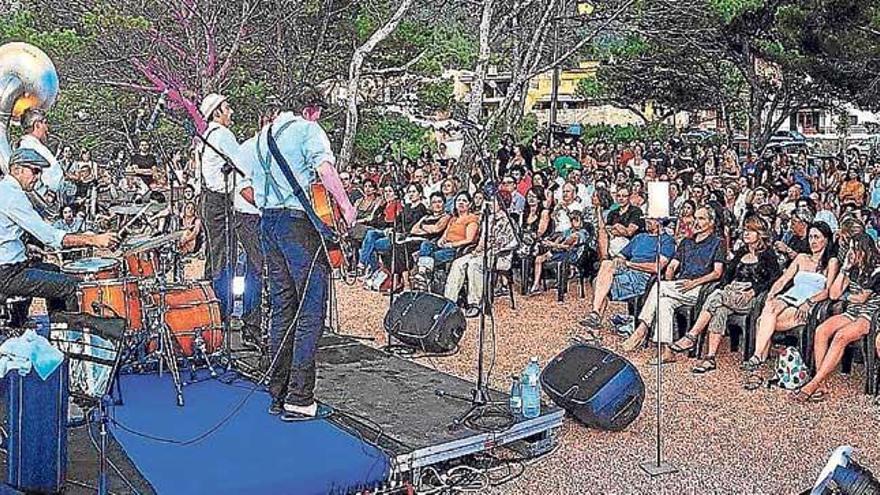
[(92, 268), (140, 263), (112, 298), (192, 310)]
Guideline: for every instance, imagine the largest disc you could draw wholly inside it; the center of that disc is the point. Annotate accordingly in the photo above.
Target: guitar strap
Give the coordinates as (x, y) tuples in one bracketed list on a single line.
[(298, 191)]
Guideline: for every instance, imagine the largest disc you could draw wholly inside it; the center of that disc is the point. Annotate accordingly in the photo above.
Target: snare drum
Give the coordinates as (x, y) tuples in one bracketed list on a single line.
[(191, 310), (93, 268), (112, 298), (140, 264)]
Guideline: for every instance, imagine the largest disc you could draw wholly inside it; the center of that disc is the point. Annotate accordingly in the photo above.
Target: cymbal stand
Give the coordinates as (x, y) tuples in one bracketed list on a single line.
[(165, 351)]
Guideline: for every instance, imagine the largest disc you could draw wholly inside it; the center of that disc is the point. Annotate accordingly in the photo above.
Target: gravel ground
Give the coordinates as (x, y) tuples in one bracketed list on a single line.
[(722, 438)]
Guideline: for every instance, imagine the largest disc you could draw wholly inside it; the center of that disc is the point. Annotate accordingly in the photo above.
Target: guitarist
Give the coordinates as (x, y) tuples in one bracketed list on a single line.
[(295, 251)]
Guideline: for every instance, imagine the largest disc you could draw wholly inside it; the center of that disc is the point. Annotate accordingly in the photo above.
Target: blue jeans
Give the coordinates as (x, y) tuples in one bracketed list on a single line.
[(440, 255), (375, 241), (298, 270)]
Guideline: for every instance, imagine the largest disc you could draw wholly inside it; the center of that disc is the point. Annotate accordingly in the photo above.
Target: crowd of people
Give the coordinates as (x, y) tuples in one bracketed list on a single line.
[(779, 230), (90, 189)]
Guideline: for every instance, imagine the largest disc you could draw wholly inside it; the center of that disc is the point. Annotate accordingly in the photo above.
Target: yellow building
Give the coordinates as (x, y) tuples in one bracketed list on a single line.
[(571, 107)]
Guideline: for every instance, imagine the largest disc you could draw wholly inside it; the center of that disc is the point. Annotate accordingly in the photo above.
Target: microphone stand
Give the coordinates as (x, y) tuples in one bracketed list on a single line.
[(229, 168), (480, 400)]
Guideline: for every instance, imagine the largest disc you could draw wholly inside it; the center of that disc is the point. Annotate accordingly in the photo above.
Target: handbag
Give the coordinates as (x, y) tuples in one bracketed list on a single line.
[(791, 370)]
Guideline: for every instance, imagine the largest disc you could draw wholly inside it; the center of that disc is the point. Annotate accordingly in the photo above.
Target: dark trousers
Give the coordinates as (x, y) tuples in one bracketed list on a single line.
[(298, 270), (40, 280), (215, 208), (247, 231)]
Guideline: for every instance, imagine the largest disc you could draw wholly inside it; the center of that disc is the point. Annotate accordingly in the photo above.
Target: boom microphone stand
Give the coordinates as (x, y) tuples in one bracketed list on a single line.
[(481, 405), (658, 209), (229, 170)]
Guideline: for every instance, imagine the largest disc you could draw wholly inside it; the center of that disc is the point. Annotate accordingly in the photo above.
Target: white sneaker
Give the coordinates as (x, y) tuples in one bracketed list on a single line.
[(377, 280)]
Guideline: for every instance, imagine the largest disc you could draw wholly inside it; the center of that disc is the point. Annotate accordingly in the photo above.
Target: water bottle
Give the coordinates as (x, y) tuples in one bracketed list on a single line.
[(41, 324), (531, 390), (516, 396)]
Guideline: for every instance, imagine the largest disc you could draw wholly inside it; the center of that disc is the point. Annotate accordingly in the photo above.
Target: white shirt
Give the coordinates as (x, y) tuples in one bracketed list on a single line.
[(54, 175), (224, 140), (240, 204), (17, 216)]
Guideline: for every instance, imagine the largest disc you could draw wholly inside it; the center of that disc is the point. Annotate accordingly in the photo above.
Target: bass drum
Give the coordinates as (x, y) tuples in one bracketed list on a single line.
[(192, 312), (119, 298)]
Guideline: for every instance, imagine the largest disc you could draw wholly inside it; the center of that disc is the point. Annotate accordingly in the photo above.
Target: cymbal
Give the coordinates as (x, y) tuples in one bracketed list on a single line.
[(135, 209), (139, 245)]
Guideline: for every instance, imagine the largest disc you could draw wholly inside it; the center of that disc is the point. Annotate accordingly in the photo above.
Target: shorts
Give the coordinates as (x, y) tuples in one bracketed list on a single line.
[(568, 256), (628, 284)]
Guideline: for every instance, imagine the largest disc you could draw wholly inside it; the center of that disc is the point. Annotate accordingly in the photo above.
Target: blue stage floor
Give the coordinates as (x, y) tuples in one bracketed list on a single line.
[(253, 452)]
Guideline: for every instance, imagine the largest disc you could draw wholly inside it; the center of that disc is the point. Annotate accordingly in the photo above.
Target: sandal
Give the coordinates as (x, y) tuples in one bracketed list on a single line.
[(705, 366), (753, 381), (593, 320), (752, 364), (677, 347)]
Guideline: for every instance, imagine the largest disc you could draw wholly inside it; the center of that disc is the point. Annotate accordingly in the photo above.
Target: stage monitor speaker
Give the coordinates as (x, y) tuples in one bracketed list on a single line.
[(596, 386), (425, 321)]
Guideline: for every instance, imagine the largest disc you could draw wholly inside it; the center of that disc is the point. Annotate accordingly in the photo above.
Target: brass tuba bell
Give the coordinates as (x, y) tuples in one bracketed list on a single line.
[(28, 79)]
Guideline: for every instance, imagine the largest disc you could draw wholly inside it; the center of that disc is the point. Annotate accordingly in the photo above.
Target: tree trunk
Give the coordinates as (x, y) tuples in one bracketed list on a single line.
[(354, 79), (475, 106)]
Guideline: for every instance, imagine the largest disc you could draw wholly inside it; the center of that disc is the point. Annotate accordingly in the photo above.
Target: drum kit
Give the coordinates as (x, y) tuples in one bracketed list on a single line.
[(166, 323)]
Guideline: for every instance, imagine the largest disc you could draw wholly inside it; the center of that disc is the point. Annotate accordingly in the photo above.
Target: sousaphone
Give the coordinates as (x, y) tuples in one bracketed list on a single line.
[(28, 79)]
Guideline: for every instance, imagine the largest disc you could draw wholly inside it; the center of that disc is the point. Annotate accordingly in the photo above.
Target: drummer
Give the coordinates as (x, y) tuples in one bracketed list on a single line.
[(18, 277)]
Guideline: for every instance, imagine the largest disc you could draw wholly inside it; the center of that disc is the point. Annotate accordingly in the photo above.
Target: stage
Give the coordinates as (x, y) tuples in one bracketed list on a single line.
[(390, 424)]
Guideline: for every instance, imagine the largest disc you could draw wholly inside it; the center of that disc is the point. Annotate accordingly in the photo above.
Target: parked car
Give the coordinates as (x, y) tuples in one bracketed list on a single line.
[(789, 147), (697, 136), (787, 136)]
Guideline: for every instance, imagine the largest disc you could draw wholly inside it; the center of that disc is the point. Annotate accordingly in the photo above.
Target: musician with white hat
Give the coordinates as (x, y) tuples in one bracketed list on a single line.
[(221, 187)]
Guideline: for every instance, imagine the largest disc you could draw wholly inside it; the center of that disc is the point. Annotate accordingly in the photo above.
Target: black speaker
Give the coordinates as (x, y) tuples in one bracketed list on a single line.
[(596, 386), (425, 321)]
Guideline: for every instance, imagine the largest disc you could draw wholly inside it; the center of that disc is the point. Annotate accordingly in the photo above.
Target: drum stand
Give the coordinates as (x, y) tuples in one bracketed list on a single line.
[(165, 350)]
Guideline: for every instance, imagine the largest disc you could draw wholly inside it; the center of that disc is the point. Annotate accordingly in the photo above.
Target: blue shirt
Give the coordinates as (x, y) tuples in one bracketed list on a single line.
[(698, 258), (17, 216), (643, 248), (304, 145)]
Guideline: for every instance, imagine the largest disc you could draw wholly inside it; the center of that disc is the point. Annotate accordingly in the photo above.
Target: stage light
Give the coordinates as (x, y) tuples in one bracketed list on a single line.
[(238, 286), (844, 476)]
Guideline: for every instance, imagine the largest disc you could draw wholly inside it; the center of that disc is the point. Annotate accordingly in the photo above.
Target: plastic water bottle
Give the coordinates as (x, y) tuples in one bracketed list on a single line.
[(531, 390), (41, 324), (516, 396)]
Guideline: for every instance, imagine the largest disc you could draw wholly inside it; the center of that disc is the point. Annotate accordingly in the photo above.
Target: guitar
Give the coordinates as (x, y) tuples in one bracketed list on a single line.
[(328, 211)]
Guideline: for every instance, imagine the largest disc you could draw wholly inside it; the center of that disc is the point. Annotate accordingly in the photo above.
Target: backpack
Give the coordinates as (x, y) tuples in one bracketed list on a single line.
[(791, 370)]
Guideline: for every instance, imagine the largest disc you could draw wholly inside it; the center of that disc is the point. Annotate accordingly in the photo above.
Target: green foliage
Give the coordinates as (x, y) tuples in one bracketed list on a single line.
[(448, 48), (620, 47), (108, 17), (730, 10), (619, 134), (21, 25), (528, 127), (435, 95), (590, 88), (376, 131)]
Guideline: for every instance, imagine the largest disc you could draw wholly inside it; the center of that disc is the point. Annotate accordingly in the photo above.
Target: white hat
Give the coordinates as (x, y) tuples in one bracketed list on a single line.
[(211, 103)]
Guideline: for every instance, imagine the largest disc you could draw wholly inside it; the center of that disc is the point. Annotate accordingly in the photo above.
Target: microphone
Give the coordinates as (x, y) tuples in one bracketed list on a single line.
[(151, 124)]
